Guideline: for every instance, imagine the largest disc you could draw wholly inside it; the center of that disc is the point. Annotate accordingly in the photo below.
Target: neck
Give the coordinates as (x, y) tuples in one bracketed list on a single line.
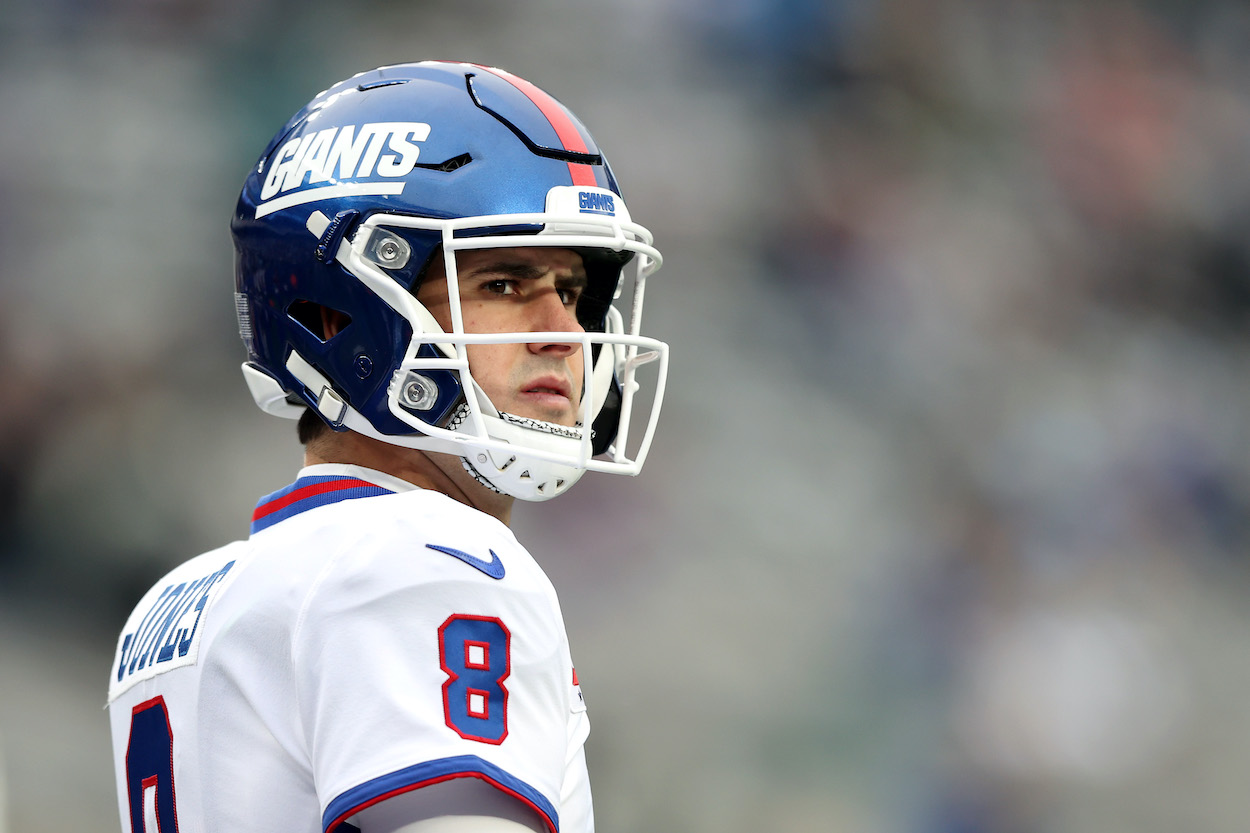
[(441, 473)]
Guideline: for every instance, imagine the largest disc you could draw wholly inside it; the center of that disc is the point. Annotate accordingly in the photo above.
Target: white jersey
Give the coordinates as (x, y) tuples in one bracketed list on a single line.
[(368, 639)]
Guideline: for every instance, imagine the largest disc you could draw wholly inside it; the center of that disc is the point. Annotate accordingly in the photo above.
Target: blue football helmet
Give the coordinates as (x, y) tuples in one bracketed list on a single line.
[(352, 200)]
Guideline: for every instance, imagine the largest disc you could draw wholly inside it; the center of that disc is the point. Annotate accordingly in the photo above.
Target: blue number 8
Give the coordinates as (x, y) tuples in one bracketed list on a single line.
[(474, 653), (150, 766)]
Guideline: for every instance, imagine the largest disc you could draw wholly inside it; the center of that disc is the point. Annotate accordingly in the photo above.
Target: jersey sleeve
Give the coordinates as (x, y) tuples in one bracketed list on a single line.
[(415, 665)]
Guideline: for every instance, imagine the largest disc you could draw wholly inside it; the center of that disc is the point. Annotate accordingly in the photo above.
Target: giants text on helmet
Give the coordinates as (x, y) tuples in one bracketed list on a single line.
[(341, 153)]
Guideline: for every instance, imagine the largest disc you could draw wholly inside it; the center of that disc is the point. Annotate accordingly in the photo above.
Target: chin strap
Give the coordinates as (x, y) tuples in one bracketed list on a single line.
[(573, 432), (521, 476), (477, 475), (529, 480)]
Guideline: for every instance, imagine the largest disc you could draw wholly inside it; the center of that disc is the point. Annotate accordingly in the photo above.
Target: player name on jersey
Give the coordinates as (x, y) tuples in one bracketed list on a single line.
[(165, 636)]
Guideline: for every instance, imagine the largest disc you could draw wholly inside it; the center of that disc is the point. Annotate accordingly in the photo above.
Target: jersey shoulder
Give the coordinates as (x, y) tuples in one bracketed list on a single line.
[(357, 563), (164, 630), (419, 537), (389, 560)]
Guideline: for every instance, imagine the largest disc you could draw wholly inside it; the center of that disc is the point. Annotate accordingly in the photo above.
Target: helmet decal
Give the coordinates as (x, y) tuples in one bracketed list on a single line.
[(567, 132), (341, 161)]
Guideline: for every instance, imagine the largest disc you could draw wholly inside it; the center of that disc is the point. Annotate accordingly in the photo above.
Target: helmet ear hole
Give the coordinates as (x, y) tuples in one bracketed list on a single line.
[(321, 322)]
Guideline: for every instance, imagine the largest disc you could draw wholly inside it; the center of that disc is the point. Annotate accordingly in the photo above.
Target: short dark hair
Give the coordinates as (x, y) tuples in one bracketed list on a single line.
[(310, 427)]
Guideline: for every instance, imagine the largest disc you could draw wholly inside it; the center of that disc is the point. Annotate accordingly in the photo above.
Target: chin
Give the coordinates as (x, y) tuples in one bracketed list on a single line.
[(566, 416), (556, 419)]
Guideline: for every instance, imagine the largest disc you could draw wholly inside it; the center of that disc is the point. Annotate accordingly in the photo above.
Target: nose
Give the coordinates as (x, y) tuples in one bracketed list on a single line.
[(552, 315)]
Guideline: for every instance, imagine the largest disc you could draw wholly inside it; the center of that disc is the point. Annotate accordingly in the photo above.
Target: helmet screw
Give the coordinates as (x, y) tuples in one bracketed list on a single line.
[(363, 365), (481, 458), (388, 251), (419, 392)]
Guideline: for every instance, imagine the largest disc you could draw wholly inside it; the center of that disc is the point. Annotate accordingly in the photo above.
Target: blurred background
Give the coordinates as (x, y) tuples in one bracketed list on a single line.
[(947, 525)]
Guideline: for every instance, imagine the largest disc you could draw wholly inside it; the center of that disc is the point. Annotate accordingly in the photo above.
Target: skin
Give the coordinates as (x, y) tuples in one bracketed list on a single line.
[(524, 290)]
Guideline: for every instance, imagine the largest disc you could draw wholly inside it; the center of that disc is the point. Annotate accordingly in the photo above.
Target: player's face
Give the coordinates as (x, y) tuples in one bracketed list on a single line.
[(521, 290)]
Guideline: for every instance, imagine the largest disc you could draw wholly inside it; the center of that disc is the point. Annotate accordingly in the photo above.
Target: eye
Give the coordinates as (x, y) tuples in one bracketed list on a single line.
[(569, 296), (502, 286)]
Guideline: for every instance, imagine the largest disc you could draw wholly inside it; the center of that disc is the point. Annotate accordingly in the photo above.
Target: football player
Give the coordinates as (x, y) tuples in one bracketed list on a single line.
[(437, 276)]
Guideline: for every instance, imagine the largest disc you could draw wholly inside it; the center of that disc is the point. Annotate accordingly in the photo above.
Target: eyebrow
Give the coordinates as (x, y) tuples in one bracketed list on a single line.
[(524, 271)]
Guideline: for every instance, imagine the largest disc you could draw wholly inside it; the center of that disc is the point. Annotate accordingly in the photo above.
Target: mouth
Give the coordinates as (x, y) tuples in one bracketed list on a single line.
[(549, 398), (548, 387)]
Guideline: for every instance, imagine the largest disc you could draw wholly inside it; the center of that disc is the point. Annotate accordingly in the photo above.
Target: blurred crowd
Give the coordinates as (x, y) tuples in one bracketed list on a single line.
[(947, 522)]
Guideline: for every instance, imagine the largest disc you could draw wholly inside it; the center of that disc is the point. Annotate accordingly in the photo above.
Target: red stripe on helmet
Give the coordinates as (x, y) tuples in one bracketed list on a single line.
[(567, 132)]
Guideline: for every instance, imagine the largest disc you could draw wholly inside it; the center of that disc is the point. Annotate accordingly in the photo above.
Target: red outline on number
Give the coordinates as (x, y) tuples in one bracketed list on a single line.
[(153, 781), (485, 646), (173, 793), (468, 703), (452, 676)]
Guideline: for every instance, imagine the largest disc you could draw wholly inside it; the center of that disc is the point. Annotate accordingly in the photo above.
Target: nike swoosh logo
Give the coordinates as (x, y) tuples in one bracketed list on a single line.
[(492, 568)]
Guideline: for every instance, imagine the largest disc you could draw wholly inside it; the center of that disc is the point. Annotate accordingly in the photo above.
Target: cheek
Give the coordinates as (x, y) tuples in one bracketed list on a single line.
[(486, 318), (492, 364)]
